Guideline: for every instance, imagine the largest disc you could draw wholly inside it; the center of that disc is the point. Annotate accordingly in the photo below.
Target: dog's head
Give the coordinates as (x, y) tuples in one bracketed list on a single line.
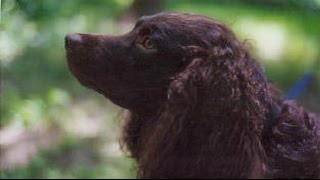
[(135, 70)]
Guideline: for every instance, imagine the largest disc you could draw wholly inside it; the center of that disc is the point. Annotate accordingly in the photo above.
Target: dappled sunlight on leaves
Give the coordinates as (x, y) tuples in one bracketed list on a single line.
[(269, 38)]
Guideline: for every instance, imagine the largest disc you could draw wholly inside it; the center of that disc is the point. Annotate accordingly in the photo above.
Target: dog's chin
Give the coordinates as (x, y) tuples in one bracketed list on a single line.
[(127, 101), (120, 101), (124, 100), (132, 101)]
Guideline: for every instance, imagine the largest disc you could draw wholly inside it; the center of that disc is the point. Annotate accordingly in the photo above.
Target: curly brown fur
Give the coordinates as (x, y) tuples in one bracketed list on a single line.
[(200, 106)]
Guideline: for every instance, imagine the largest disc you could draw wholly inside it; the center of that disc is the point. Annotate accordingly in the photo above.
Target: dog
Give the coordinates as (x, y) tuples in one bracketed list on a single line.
[(200, 105)]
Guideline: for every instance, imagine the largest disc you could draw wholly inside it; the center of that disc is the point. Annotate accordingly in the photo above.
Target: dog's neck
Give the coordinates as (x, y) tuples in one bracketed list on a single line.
[(138, 123), (223, 132)]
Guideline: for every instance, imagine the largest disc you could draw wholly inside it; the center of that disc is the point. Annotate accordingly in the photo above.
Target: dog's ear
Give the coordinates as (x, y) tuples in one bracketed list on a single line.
[(186, 85), (210, 95), (205, 68), (224, 78)]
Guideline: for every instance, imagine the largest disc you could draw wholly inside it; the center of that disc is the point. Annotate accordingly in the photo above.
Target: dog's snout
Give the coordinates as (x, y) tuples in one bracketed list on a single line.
[(72, 40)]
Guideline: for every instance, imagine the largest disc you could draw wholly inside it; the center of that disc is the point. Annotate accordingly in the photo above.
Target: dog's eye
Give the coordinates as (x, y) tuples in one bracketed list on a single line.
[(147, 43)]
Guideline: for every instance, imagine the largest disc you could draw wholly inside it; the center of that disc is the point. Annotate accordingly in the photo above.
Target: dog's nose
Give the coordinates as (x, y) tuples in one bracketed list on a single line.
[(72, 40)]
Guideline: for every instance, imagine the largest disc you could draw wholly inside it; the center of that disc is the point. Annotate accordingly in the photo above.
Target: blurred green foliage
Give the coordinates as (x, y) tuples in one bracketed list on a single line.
[(33, 63), (37, 88), (293, 19), (74, 159)]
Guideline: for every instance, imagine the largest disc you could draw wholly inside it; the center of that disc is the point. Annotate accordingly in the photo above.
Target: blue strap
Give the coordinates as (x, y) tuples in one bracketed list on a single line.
[(303, 83)]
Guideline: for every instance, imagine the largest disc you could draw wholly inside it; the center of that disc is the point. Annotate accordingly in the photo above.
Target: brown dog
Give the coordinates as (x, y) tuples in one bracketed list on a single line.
[(200, 106)]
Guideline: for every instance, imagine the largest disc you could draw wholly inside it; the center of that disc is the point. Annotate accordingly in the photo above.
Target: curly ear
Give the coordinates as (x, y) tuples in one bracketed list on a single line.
[(184, 88), (212, 111), (211, 74)]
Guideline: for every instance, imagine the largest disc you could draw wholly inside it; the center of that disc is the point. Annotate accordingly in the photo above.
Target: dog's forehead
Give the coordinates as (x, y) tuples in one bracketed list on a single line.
[(158, 17), (144, 19), (173, 18)]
